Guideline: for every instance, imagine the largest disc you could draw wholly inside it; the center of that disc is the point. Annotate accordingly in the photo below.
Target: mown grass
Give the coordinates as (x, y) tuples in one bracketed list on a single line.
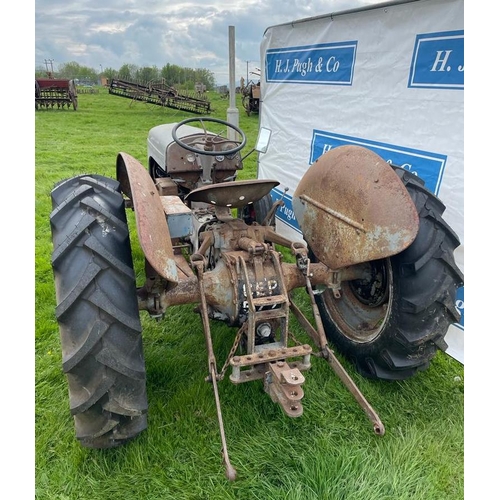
[(330, 452)]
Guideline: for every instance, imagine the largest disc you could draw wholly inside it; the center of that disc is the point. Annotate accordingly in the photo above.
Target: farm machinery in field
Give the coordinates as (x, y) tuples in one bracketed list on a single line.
[(57, 93), (250, 98), (160, 94), (376, 262)]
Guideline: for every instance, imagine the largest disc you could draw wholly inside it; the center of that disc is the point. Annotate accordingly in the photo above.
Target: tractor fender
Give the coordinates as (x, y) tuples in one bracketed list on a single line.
[(152, 227), (352, 207)]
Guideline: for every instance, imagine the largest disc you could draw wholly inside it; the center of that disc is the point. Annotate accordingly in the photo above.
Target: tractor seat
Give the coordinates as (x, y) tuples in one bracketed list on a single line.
[(234, 194)]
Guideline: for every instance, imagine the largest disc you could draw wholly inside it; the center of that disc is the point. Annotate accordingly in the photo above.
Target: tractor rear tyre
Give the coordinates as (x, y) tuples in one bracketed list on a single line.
[(256, 212), (391, 326), (97, 311)]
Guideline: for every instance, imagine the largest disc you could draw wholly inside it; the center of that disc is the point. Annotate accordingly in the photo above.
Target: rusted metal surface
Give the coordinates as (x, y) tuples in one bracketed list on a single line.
[(55, 92), (250, 98), (53, 83), (271, 355), (284, 385), (318, 336), (248, 367), (179, 161), (160, 94), (247, 284), (352, 207), (235, 194), (327, 353), (197, 265), (152, 228), (221, 283)]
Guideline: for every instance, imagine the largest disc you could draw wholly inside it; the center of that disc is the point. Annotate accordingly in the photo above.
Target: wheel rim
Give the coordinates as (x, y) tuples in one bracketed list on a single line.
[(362, 311)]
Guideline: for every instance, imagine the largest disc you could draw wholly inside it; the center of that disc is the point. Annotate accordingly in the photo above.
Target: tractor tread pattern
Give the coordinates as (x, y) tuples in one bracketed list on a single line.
[(97, 311), (424, 303)]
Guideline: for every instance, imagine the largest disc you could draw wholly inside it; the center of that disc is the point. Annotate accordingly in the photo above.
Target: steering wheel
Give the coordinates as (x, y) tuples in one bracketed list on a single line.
[(210, 140)]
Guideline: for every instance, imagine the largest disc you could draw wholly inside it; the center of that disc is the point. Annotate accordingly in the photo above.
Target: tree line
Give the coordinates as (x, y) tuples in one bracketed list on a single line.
[(173, 75)]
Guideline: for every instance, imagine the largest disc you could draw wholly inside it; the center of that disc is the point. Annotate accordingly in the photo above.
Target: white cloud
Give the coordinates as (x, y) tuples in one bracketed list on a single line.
[(188, 33)]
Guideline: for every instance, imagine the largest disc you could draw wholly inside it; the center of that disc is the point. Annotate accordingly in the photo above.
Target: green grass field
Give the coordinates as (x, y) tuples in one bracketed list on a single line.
[(330, 452)]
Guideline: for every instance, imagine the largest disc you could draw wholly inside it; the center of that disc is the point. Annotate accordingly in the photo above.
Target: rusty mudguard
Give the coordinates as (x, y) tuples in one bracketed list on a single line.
[(352, 207), (152, 228)]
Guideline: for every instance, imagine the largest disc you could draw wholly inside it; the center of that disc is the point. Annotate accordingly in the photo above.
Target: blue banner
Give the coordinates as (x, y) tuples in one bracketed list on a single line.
[(285, 213), (429, 166), (328, 64), (459, 304), (438, 61)]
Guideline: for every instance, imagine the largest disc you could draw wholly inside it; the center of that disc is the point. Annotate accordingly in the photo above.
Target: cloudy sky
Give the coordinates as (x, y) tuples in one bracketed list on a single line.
[(187, 33)]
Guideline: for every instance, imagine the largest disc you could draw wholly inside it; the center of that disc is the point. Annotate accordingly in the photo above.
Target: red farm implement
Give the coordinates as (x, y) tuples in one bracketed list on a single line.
[(55, 92)]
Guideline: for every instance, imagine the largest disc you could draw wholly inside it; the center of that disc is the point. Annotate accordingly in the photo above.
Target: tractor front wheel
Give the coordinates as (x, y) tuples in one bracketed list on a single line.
[(97, 311)]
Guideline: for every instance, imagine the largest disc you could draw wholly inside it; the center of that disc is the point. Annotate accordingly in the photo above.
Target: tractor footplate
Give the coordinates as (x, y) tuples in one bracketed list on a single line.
[(283, 384)]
